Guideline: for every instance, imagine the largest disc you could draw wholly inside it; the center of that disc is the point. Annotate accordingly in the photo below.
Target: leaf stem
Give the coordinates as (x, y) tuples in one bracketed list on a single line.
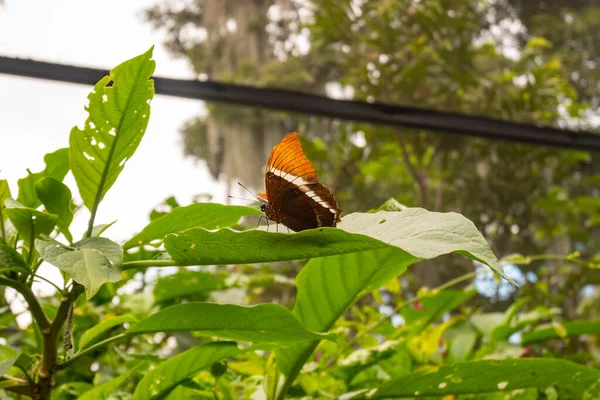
[(90, 349), (156, 263), (50, 282)]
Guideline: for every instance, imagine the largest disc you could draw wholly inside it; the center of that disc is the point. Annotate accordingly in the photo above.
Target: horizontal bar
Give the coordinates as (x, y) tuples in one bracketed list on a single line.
[(287, 100)]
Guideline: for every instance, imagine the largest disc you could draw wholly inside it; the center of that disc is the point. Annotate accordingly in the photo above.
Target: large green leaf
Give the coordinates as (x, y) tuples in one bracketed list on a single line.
[(487, 376), (29, 222), (198, 215), (118, 116), (569, 328), (271, 323), (169, 374), (57, 166), (327, 287), (421, 233), (56, 198), (95, 333), (103, 391), (91, 262)]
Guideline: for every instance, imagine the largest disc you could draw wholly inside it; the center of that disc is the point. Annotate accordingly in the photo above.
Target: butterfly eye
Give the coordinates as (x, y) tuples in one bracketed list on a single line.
[(263, 207)]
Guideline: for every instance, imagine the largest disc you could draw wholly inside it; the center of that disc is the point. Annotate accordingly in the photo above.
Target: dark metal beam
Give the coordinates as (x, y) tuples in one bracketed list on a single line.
[(287, 100)]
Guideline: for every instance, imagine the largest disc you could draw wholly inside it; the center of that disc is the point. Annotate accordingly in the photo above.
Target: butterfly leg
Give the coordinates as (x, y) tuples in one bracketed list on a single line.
[(277, 227), (259, 221)]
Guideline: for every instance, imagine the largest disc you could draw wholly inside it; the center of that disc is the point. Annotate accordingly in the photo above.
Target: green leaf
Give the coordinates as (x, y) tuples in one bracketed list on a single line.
[(111, 250), (85, 264), (162, 379), (57, 166), (421, 233), (10, 258), (104, 390), (4, 194), (99, 229), (199, 215), (270, 323), (572, 328), (327, 287), (6, 364), (29, 222), (186, 283), (94, 334), (56, 198), (118, 116), (201, 247), (487, 376)]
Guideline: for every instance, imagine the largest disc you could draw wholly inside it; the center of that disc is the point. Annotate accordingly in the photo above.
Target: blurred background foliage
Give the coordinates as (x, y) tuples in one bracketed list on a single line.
[(529, 62)]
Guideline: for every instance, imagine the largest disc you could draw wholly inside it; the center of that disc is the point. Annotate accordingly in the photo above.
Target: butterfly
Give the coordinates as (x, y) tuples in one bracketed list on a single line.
[(294, 196)]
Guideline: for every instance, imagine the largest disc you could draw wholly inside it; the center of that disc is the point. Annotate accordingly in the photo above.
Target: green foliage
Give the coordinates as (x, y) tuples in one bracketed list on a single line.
[(343, 326), (118, 116)]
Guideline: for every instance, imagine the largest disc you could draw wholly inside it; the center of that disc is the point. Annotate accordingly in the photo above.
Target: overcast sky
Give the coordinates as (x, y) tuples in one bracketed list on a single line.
[(36, 116)]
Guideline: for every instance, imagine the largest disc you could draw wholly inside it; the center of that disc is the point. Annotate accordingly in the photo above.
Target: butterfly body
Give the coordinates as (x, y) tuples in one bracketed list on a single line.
[(294, 196)]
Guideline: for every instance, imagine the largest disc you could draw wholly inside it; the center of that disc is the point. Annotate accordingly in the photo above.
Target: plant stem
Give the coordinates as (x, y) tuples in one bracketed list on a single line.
[(90, 349), (34, 305), (156, 263), (50, 343)]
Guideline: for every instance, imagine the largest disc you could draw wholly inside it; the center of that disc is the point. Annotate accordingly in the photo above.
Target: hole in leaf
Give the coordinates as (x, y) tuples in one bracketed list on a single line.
[(89, 158), (502, 385)]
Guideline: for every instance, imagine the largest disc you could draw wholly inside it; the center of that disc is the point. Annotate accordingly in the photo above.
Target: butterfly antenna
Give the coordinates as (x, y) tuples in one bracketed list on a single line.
[(240, 198), (249, 191)]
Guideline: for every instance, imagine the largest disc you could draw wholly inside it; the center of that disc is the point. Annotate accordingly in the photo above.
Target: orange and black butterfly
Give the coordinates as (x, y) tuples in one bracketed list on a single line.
[(294, 196)]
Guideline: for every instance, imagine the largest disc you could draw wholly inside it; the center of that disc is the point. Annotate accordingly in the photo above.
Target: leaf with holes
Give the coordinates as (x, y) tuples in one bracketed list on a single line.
[(56, 198), (57, 166), (29, 222), (267, 323), (488, 376), (203, 215), (118, 116), (162, 379)]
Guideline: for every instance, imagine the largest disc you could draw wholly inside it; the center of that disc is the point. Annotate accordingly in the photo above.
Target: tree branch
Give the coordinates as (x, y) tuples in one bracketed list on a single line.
[(50, 343), (34, 305)]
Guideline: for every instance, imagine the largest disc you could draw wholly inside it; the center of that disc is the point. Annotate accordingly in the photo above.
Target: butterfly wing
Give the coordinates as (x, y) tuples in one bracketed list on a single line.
[(295, 196)]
